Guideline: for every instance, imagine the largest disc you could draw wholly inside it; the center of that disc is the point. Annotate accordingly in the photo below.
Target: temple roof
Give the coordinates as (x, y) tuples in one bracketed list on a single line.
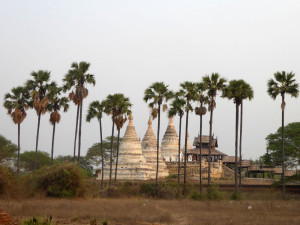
[(205, 140)]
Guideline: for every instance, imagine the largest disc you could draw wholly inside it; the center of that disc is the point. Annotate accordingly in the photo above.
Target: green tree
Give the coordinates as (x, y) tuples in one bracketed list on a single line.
[(177, 108), (17, 103), (292, 146), (213, 84), (237, 90), (283, 84), (156, 94), (8, 150), (201, 111), (56, 102), (189, 91), (76, 80), (96, 110), (28, 163), (38, 88), (94, 153)]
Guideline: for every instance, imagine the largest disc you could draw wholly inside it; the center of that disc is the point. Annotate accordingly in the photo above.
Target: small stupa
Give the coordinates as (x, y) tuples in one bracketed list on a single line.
[(169, 145), (132, 165), (149, 147)]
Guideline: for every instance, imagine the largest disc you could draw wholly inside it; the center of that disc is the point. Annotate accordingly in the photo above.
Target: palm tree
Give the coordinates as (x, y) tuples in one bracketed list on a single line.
[(177, 108), (17, 103), (156, 94), (77, 79), (38, 88), (96, 110), (201, 111), (284, 83), (213, 84), (113, 105), (55, 104), (237, 90), (189, 91), (123, 110)]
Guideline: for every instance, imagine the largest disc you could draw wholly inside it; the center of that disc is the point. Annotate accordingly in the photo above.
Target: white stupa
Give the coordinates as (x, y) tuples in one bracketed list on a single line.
[(169, 145), (149, 147)]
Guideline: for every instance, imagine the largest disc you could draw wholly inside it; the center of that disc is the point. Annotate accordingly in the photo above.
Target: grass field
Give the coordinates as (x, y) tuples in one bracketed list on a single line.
[(150, 211)]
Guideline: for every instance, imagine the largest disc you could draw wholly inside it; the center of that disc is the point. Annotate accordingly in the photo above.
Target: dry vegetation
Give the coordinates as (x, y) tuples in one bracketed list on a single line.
[(149, 211)]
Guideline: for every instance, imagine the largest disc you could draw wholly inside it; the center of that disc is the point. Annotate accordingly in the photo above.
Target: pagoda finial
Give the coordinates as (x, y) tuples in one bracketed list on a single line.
[(130, 116), (171, 121), (149, 121)]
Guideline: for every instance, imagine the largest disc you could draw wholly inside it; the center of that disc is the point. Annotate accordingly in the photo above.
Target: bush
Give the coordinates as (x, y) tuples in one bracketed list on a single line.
[(236, 195), (195, 195), (4, 179), (214, 193), (148, 189), (63, 180), (36, 221)]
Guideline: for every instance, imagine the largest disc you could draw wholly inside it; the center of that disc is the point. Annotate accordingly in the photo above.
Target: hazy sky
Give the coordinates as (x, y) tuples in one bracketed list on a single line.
[(131, 44)]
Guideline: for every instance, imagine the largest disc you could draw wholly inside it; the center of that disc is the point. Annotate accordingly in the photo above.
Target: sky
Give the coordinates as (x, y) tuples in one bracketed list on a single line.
[(131, 44)]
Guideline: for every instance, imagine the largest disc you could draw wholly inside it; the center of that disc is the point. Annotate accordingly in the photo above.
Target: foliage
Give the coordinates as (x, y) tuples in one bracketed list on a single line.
[(85, 163), (63, 180), (236, 195), (8, 150), (292, 146), (17, 103), (94, 153), (148, 189), (37, 221), (214, 193), (5, 177), (238, 90), (284, 83), (195, 195), (27, 160)]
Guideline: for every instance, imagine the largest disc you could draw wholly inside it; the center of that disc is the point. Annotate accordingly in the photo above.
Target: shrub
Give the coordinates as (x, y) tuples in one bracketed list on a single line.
[(63, 180), (236, 195), (36, 221), (4, 179), (148, 189), (195, 195), (214, 193)]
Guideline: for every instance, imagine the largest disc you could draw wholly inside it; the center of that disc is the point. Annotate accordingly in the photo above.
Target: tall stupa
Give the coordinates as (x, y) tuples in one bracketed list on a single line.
[(132, 165), (149, 147), (169, 145)]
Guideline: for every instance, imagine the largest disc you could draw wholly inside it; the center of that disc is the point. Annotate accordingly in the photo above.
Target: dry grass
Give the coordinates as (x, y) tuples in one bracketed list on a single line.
[(148, 211)]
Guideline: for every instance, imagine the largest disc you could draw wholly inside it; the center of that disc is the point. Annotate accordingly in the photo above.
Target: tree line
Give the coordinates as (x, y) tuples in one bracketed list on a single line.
[(42, 95)]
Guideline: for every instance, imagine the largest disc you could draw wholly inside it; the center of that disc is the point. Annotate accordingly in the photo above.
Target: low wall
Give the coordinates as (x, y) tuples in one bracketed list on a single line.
[(193, 168)]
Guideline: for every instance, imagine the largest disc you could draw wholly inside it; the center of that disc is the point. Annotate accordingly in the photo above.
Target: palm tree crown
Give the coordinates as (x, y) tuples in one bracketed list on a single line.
[(95, 110), (177, 106), (238, 90), (284, 83), (17, 103), (56, 103), (155, 95), (214, 83)]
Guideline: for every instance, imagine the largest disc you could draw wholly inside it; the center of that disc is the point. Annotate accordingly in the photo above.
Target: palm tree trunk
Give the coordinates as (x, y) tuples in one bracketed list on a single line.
[(283, 166), (200, 170), (76, 129), (111, 151), (185, 146), (179, 145), (241, 132), (102, 154), (18, 162), (118, 144), (210, 141), (52, 148), (236, 145), (157, 158), (79, 134), (37, 141)]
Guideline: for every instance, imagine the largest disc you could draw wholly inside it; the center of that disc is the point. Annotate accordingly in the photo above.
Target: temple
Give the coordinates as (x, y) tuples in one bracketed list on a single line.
[(169, 145)]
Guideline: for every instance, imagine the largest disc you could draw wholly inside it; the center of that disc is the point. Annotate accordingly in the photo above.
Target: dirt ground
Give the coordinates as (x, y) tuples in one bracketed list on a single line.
[(150, 211)]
